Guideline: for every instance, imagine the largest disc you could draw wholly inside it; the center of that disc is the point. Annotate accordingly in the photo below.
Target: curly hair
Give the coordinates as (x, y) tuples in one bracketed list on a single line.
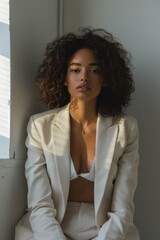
[(116, 69)]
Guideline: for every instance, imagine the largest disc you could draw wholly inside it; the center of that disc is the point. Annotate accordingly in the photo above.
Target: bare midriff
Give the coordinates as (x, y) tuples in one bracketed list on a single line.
[(81, 190)]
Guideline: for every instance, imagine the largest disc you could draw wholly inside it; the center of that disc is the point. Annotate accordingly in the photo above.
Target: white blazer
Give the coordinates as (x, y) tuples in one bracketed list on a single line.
[(48, 174)]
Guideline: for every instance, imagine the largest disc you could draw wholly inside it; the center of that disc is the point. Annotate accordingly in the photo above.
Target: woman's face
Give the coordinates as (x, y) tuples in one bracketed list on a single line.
[(84, 76)]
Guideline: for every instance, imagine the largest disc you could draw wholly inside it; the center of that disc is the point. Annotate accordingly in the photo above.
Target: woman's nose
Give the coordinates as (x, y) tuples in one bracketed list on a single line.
[(84, 77)]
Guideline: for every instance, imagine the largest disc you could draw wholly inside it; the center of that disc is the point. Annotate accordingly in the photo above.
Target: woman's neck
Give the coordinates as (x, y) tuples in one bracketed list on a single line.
[(84, 113)]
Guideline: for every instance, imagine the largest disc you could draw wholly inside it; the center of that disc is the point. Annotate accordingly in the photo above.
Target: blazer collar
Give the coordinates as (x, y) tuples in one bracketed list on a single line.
[(62, 119)]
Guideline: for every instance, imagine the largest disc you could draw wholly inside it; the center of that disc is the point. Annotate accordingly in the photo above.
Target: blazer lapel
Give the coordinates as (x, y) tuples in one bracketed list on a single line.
[(105, 146), (61, 145)]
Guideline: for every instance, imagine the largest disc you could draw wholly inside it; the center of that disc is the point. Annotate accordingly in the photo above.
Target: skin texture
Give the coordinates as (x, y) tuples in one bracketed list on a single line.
[(84, 80)]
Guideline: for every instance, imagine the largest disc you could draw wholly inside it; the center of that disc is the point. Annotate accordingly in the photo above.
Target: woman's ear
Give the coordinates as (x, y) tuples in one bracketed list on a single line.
[(65, 83)]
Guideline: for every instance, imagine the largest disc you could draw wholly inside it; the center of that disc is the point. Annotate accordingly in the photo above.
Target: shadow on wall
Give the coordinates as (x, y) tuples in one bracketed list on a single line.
[(148, 114)]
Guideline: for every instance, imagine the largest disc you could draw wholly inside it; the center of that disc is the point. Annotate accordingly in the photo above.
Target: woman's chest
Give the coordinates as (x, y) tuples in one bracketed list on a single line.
[(82, 150)]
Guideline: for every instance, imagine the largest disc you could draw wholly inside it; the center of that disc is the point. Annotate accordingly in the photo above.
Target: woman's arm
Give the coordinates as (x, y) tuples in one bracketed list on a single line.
[(40, 203), (122, 207)]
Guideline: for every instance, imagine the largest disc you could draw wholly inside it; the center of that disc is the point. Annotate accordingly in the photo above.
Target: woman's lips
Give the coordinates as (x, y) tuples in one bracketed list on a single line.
[(83, 88)]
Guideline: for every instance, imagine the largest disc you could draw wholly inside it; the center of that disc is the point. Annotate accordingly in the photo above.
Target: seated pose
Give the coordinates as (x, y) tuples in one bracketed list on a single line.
[(82, 160)]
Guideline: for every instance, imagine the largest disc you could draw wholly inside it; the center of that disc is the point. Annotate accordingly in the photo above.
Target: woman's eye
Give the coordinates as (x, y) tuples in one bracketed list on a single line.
[(75, 70), (95, 71)]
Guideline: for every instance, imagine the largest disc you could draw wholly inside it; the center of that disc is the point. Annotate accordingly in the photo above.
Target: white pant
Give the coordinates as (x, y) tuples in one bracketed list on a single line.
[(78, 223)]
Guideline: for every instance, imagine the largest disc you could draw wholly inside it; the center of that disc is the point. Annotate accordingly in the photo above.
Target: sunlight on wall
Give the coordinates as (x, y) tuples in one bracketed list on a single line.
[(4, 11), (4, 79)]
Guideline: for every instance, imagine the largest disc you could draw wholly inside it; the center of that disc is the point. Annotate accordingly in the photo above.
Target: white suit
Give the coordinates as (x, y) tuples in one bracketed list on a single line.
[(48, 175)]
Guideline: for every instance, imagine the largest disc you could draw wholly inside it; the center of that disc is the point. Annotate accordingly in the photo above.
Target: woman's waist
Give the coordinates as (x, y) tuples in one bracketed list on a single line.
[(81, 190)]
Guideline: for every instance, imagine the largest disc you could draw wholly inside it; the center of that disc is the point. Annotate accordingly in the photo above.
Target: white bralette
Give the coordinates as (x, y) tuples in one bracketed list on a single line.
[(89, 176)]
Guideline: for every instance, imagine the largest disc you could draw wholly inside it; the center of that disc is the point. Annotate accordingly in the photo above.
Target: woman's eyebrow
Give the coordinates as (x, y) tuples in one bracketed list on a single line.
[(95, 64), (79, 64), (74, 64)]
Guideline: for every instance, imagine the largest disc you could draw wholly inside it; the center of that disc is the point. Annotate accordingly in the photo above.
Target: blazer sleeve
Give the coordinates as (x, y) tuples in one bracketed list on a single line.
[(40, 203), (120, 218)]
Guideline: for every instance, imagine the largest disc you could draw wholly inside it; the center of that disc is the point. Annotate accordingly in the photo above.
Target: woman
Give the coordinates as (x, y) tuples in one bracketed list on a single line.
[(82, 160)]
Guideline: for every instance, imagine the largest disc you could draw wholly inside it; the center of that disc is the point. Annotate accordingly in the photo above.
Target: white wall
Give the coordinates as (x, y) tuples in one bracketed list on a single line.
[(32, 25), (136, 25)]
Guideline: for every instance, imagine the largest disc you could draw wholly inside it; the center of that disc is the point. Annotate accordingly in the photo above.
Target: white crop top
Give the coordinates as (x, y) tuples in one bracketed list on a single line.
[(89, 176)]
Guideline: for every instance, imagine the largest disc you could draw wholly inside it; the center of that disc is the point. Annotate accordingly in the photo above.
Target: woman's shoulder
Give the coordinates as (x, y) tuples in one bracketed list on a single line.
[(47, 115), (129, 123), (128, 119)]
